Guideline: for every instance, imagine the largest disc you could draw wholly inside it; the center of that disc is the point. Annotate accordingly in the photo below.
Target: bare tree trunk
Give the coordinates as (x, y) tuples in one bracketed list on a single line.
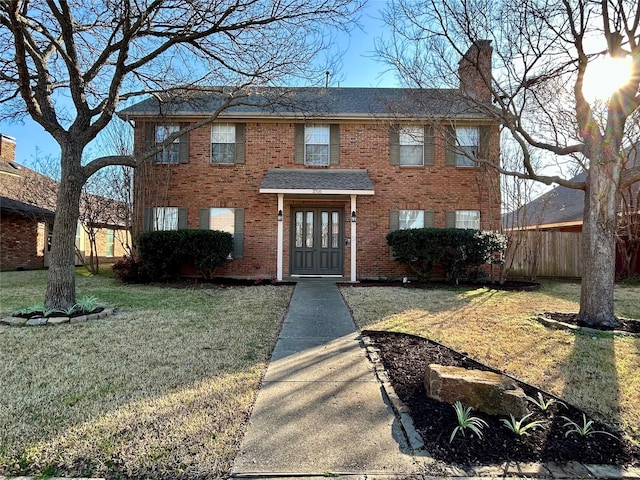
[(61, 289), (599, 247)]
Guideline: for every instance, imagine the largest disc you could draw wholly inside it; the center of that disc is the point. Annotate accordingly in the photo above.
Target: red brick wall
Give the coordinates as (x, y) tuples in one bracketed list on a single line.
[(200, 184), (22, 242)]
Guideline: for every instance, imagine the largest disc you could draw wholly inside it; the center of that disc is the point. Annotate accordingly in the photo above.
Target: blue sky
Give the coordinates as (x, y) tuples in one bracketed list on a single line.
[(359, 69)]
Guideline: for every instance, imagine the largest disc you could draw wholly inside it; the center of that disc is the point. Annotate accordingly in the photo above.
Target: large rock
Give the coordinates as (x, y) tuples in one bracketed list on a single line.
[(485, 391)]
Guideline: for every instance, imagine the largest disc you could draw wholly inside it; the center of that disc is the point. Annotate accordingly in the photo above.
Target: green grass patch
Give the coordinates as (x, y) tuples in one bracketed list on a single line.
[(161, 389)]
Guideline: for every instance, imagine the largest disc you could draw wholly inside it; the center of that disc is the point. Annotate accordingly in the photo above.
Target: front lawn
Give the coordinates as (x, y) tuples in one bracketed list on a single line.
[(598, 373), (162, 389)]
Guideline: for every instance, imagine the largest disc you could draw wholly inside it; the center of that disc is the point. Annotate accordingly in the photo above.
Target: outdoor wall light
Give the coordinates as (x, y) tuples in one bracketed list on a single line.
[(279, 215), (353, 217)]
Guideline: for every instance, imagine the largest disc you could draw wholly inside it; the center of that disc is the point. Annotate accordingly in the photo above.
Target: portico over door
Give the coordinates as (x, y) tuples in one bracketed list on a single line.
[(317, 243)]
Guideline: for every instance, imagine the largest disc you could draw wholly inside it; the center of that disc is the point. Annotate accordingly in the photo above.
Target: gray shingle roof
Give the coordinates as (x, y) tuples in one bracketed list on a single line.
[(560, 205), (14, 206), (298, 179), (305, 102)]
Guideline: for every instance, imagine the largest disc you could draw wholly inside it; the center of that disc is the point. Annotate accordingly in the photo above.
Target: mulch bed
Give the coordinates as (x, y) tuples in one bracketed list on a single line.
[(511, 285), (406, 357), (626, 324)]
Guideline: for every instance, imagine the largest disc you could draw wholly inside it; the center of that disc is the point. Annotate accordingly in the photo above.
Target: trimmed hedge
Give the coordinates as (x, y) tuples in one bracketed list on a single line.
[(163, 252), (459, 252)]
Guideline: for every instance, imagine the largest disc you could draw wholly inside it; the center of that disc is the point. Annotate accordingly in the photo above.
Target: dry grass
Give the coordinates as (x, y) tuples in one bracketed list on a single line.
[(598, 373), (160, 390)]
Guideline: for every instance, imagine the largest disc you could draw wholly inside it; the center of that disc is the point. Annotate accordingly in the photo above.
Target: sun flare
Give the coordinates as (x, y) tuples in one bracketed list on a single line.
[(604, 76)]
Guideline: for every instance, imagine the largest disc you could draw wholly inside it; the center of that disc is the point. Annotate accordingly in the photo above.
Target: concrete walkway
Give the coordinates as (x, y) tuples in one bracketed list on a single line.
[(320, 410)]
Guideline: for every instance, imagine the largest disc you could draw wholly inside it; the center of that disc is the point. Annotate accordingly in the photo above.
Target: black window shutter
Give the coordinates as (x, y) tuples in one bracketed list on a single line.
[(450, 134), (428, 146), (429, 219), (240, 140), (334, 144), (238, 233), (147, 221), (204, 219), (484, 138), (182, 218), (394, 224), (394, 144), (298, 155), (450, 221), (150, 138), (184, 144)]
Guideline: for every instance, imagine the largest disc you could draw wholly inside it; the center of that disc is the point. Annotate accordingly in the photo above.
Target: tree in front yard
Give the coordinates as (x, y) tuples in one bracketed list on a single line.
[(552, 62), (69, 65)]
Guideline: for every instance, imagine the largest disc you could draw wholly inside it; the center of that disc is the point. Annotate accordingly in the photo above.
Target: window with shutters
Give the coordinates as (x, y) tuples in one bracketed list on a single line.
[(411, 140), (316, 144), (468, 219), (230, 220), (164, 218), (223, 143), (170, 153), (408, 219), (467, 145)]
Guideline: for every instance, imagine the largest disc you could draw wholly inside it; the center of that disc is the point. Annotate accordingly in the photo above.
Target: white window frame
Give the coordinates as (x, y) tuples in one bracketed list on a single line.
[(223, 137), (406, 222), (410, 137), (164, 218), (468, 219), (171, 153), (315, 136), (467, 145)]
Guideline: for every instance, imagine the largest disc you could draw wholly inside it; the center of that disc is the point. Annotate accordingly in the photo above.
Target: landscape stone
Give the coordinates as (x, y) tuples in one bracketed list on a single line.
[(58, 320), (488, 392), (80, 319), (37, 321), (14, 321)]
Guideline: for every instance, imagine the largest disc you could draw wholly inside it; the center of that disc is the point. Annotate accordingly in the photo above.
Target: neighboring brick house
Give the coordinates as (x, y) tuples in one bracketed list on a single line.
[(311, 183), (27, 213)]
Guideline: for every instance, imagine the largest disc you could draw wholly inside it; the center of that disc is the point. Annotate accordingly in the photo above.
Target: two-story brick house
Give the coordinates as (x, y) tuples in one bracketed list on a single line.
[(312, 183)]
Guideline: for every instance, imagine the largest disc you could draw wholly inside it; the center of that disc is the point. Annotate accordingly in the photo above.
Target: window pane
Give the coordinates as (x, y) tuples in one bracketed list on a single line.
[(468, 219), (324, 220), (165, 218), (335, 229), (223, 133), (468, 141), (316, 142), (222, 219), (317, 155), (411, 136), (411, 219), (109, 243), (316, 134), (411, 154), (309, 228), (170, 153), (223, 152), (467, 136), (299, 229)]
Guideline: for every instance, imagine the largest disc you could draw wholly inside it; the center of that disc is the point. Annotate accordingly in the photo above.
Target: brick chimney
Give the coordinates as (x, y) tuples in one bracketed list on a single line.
[(474, 71), (7, 148)]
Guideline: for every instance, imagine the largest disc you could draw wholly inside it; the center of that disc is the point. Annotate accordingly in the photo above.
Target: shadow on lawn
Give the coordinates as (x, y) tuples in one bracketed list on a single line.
[(592, 384)]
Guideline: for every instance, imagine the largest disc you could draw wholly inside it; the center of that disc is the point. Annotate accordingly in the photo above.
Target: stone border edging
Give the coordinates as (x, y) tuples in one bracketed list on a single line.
[(570, 470), (558, 325), (42, 321)]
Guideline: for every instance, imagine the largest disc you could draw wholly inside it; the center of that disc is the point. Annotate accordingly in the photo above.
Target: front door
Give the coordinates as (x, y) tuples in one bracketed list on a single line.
[(316, 243)]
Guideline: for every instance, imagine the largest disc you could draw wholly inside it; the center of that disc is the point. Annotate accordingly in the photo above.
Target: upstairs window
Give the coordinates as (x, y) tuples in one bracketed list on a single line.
[(411, 141), (223, 143), (467, 145), (170, 153), (316, 144)]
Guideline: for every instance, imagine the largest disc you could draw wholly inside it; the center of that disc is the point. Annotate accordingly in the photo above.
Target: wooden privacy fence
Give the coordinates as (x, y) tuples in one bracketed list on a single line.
[(534, 254)]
